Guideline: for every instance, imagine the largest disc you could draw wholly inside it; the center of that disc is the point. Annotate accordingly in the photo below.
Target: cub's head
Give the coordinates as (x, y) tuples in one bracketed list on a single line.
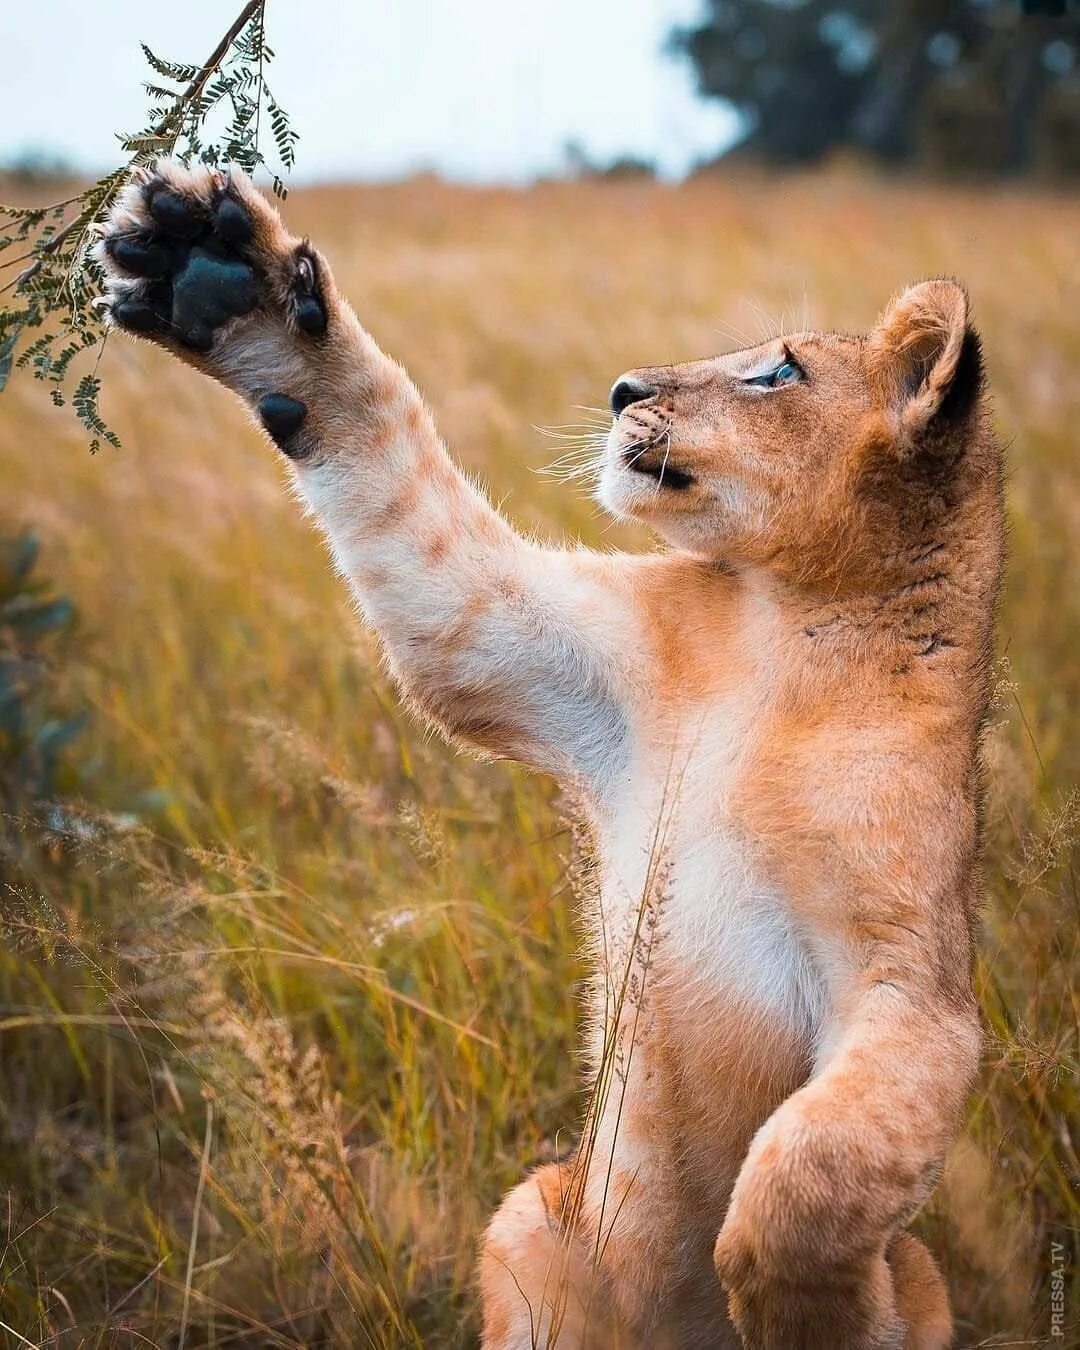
[(815, 454)]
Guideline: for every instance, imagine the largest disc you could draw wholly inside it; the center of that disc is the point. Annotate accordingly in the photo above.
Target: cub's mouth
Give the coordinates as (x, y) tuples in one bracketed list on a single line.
[(655, 461)]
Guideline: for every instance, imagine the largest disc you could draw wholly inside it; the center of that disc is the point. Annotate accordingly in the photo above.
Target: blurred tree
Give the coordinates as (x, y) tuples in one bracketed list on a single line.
[(985, 86), (35, 625)]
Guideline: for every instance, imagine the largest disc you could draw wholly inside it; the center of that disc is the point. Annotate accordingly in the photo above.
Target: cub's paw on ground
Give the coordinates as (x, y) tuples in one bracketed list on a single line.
[(190, 254)]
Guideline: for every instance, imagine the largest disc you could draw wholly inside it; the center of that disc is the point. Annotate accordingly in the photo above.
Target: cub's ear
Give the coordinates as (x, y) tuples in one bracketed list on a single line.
[(925, 359)]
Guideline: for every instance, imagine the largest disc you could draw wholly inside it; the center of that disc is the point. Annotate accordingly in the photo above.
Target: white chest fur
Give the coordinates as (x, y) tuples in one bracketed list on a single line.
[(672, 850)]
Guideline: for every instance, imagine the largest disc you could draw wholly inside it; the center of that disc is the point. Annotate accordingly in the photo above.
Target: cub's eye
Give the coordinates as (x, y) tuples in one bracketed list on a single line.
[(788, 372)]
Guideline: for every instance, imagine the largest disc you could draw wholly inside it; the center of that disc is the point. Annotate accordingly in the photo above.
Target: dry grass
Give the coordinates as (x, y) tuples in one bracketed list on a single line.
[(275, 1040)]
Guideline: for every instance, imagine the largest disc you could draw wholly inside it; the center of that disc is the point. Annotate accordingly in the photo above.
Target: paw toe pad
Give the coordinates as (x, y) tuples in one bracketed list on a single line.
[(232, 222), (139, 316), (310, 316), (178, 216), (140, 257)]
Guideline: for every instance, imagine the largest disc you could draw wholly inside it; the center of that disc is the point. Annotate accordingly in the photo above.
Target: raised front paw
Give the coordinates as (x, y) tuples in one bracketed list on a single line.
[(198, 261), (189, 252)]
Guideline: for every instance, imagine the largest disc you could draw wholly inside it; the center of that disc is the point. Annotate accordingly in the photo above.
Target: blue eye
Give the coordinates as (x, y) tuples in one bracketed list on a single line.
[(789, 372)]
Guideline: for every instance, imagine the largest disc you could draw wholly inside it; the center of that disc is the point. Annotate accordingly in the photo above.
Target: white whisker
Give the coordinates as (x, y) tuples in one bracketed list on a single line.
[(663, 466), (732, 333)]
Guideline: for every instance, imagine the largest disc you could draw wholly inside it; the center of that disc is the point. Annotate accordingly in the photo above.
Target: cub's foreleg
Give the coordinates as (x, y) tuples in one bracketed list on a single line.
[(812, 1251), (510, 646)]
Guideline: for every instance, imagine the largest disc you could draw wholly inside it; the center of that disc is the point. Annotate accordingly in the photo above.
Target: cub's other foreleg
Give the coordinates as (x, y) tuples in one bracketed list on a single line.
[(812, 1251), (534, 1269)]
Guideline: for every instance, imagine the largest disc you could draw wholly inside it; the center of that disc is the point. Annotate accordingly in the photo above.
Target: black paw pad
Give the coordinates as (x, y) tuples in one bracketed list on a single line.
[(175, 215), (308, 309), (138, 316), (282, 416), (140, 257), (310, 316), (196, 335), (208, 292), (232, 222)]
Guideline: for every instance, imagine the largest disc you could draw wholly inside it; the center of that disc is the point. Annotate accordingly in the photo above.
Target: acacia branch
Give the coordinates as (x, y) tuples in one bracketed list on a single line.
[(198, 84), (59, 273), (192, 92)]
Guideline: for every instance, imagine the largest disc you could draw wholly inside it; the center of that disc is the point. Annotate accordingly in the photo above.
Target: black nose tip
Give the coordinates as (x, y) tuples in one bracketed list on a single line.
[(627, 391)]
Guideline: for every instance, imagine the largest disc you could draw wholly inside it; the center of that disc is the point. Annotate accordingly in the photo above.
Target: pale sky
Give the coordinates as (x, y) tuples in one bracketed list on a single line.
[(483, 90)]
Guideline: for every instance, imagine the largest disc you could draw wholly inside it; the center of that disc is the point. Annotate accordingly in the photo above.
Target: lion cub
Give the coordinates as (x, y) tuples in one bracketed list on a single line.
[(773, 725)]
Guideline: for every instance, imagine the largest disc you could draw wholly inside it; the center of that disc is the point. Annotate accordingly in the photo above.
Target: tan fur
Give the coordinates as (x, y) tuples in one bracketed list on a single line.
[(773, 727)]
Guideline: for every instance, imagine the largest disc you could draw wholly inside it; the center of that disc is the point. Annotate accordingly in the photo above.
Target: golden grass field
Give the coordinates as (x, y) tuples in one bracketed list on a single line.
[(292, 999)]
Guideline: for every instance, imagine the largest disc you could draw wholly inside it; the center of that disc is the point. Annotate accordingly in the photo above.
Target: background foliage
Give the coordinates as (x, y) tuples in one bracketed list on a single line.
[(288, 995), (34, 624), (958, 86)]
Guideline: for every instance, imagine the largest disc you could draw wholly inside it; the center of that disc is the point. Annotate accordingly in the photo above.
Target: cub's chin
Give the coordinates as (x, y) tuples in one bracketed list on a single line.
[(645, 487), (682, 515)]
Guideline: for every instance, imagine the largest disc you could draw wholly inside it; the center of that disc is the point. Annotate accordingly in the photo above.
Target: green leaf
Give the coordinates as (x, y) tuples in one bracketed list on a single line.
[(23, 551), (7, 355), (32, 620)]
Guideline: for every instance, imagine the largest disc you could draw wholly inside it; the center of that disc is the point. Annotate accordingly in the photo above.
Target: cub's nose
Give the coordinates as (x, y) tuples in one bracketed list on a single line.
[(627, 390)]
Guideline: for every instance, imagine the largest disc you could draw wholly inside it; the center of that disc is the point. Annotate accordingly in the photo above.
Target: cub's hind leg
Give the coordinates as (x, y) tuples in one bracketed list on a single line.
[(535, 1270), (921, 1297)]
